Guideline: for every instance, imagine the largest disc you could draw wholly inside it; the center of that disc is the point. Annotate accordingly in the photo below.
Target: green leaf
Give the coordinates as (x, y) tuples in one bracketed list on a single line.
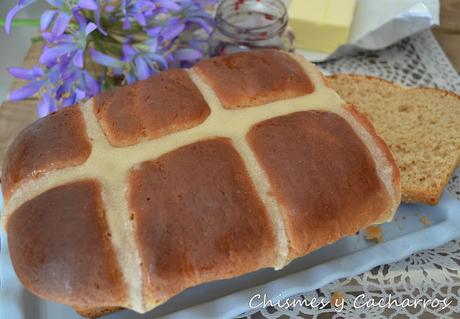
[(22, 23)]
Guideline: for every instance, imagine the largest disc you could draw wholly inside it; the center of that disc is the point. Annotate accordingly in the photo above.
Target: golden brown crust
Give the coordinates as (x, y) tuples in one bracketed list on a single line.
[(53, 142), (254, 78), (324, 178), (198, 218), (366, 124), (160, 105), (60, 247), (364, 121)]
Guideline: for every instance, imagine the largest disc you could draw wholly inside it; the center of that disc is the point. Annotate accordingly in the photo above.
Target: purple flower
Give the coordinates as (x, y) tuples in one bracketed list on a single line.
[(25, 91), (46, 105), (73, 47), (137, 62), (46, 19), (58, 86), (130, 40), (26, 74), (34, 75), (10, 15)]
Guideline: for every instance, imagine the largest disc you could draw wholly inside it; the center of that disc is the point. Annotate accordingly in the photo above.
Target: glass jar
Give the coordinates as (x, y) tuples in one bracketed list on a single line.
[(243, 25)]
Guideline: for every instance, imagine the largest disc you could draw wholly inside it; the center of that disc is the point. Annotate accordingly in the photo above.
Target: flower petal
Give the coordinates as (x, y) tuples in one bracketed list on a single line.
[(61, 23), (64, 66), (23, 3), (141, 19), (172, 31), (159, 59), (51, 54), (46, 105), (130, 79), (205, 25), (105, 59), (48, 37), (38, 72), (46, 18), (69, 100), (153, 32), (80, 94), (53, 75), (9, 18), (78, 59), (152, 44), (142, 68), (22, 73), (168, 4), (25, 91), (90, 27), (187, 54), (129, 52), (124, 4), (126, 23), (91, 86), (98, 19), (88, 4), (79, 18)]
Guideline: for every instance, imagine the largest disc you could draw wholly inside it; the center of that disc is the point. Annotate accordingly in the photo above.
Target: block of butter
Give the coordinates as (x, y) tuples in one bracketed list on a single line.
[(321, 25)]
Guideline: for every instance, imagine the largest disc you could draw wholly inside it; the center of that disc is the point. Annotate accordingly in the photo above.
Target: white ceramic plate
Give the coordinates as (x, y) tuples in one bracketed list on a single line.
[(229, 298)]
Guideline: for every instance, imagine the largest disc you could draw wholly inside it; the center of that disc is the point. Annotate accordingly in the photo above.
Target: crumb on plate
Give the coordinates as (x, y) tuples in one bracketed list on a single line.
[(374, 233), (425, 221)]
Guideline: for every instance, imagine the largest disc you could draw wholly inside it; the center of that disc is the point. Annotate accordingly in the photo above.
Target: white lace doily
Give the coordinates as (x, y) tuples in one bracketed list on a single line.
[(429, 274)]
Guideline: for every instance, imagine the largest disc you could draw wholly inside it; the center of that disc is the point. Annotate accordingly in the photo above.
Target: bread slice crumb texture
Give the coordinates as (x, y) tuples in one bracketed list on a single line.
[(420, 125)]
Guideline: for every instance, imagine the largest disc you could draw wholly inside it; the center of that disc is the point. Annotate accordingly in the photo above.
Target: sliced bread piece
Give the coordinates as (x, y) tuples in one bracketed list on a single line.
[(421, 126)]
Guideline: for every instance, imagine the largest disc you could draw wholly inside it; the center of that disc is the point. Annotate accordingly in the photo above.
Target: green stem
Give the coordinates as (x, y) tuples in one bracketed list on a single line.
[(22, 22)]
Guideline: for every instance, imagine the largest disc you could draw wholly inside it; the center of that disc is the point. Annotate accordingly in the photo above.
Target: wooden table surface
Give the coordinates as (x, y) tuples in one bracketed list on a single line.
[(16, 115), (448, 33)]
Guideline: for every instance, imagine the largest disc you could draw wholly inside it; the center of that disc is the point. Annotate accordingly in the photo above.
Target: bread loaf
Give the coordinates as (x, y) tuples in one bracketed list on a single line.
[(243, 162)]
